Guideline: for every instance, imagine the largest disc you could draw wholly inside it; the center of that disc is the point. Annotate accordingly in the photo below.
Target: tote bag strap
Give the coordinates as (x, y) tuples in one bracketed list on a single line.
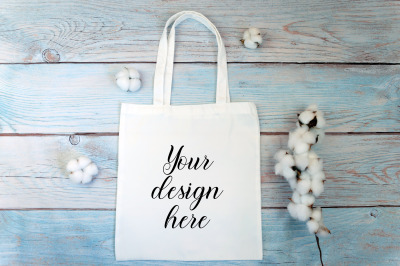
[(165, 60)]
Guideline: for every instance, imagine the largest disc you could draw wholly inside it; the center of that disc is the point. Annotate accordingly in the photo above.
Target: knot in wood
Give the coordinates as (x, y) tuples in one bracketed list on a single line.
[(50, 56), (74, 139), (374, 213)]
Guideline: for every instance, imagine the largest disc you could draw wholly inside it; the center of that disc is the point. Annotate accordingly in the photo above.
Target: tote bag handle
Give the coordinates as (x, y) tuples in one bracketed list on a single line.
[(165, 60)]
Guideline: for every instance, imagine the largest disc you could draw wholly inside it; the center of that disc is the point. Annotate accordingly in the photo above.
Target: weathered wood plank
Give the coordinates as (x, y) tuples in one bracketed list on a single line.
[(362, 170), (362, 236), (87, 238), (84, 98), (359, 236), (295, 31)]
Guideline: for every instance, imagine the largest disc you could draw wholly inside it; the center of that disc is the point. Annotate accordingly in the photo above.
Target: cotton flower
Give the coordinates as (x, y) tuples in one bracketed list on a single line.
[(279, 155), (312, 226), (305, 175), (303, 186), (296, 197), (252, 38), (316, 214), (285, 165), (292, 208), (314, 166), (311, 117), (317, 187), (301, 139), (319, 176), (292, 183), (303, 212), (303, 169), (307, 199), (82, 170), (128, 79), (301, 161)]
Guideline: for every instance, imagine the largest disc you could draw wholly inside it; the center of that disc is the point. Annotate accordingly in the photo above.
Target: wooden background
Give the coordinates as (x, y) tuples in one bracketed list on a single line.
[(58, 100)]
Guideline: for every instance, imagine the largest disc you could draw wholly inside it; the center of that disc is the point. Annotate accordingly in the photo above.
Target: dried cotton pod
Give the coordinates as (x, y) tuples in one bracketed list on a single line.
[(252, 38), (82, 170), (128, 79)]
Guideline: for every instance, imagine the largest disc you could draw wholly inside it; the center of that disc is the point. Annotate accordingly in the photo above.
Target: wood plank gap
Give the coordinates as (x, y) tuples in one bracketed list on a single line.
[(263, 208), (208, 62), (117, 134)]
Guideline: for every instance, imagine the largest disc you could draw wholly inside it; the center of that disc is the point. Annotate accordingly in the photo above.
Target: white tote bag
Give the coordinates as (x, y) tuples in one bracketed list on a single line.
[(188, 176)]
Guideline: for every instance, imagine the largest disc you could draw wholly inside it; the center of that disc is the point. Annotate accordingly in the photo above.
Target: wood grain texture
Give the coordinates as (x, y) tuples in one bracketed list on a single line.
[(364, 236), (84, 97), (361, 171), (110, 31), (87, 238)]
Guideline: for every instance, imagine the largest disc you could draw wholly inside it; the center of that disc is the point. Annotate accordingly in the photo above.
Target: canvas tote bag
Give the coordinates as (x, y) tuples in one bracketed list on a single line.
[(188, 176)]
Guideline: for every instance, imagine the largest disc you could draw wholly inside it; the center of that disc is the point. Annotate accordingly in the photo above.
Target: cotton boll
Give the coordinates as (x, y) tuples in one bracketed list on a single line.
[(303, 212), (292, 183), (287, 160), (252, 38), (128, 79), (317, 214), (320, 119), (292, 208), (124, 73), (133, 73), (84, 170), (257, 39), (301, 147), (288, 173), (305, 175), (312, 155), (73, 166), (123, 84), (279, 155), (314, 166), (295, 136), (87, 178), (305, 117), (312, 107), (309, 137), (307, 199), (254, 32), (317, 187), (91, 169), (312, 226), (319, 134), (76, 176), (319, 176), (134, 85), (293, 139), (301, 161), (303, 186), (83, 161), (250, 44), (278, 169), (296, 141), (246, 35), (296, 198)]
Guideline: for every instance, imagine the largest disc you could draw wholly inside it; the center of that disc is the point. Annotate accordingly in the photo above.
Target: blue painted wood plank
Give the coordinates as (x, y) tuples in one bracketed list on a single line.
[(362, 170), (364, 236), (294, 31), (87, 238), (360, 236), (84, 97)]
